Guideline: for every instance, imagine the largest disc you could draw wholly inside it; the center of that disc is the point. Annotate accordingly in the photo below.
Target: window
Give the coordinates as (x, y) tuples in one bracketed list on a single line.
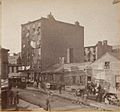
[(33, 29), (80, 79), (117, 80), (94, 57), (39, 24), (107, 65), (17, 69), (89, 78), (27, 34), (23, 45), (12, 69)]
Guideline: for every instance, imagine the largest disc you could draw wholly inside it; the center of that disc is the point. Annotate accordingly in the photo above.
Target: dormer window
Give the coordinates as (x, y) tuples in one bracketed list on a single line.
[(107, 65)]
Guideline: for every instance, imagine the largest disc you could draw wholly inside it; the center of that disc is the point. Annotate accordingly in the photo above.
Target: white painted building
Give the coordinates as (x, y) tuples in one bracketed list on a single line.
[(107, 69)]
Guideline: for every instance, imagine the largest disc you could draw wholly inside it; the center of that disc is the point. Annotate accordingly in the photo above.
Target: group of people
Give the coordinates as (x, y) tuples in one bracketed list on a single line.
[(97, 90)]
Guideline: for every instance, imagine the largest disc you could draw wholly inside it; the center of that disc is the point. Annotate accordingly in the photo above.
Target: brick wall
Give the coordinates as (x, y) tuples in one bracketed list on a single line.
[(57, 37)]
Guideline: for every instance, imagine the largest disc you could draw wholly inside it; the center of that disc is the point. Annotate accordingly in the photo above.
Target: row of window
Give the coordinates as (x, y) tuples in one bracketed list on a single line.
[(81, 80), (92, 49), (14, 69)]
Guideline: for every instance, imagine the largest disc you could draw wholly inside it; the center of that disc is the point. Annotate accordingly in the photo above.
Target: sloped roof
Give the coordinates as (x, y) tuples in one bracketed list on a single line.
[(108, 56), (71, 67), (57, 68), (115, 54)]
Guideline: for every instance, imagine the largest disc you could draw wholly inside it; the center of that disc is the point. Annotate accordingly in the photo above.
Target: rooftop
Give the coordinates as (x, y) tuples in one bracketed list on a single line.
[(50, 16), (115, 54)]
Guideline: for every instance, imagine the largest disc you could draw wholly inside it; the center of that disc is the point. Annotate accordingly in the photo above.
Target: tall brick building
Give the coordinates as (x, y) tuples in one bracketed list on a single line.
[(92, 53), (47, 41)]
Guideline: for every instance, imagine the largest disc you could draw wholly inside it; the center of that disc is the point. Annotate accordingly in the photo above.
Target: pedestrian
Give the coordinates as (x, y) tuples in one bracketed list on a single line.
[(60, 89), (94, 91), (106, 100), (48, 107), (10, 97), (99, 94), (17, 97), (39, 85), (85, 95), (35, 84)]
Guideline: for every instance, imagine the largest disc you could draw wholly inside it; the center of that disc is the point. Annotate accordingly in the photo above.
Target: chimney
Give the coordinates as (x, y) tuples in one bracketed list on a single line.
[(70, 55), (104, 42), (99, 43), (50, 16), (61, 60), (76, 23)]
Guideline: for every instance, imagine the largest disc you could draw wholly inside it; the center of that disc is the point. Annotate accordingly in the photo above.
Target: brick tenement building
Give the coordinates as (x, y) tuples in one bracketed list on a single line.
[(46, 40), (92, 53), (15, 65)]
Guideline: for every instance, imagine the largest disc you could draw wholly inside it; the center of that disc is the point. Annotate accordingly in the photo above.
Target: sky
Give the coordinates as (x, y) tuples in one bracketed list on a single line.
[(100, 18)]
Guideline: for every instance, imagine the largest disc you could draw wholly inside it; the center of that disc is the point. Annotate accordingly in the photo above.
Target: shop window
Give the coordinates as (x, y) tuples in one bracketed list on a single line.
[(107, 65)]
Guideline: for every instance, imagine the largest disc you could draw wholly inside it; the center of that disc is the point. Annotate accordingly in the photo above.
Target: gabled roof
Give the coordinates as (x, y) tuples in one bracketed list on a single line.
[(108, 56), (115, 54), (57, 68)]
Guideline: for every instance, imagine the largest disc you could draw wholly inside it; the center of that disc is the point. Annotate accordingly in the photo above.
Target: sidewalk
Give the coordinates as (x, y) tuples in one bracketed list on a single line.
[(74, 99), (23, 105)]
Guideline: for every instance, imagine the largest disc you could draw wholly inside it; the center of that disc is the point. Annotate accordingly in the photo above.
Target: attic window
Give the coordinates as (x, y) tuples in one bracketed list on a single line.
[(107, 65)]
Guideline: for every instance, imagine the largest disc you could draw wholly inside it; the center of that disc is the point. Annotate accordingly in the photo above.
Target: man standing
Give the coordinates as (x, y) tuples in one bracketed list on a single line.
[(48, 102), (98, 92), (60, 89), (48, 107), (10, 96)]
